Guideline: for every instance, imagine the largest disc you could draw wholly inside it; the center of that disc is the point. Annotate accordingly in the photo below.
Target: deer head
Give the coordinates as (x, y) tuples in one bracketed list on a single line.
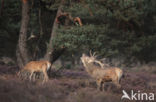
[(87, 59), (93, 58)]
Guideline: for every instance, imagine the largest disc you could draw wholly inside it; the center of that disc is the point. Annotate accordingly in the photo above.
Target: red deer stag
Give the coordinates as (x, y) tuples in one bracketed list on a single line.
[(101, 75)]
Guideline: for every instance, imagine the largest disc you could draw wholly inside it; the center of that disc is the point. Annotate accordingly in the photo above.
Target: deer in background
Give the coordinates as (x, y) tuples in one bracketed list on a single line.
[(101, 75), (37, 66)]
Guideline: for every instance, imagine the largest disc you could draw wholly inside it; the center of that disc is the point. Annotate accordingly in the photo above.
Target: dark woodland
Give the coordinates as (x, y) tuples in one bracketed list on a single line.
[(121, 33)]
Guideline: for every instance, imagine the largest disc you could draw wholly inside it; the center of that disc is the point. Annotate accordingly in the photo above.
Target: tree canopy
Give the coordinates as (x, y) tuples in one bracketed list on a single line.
[(112, 28)]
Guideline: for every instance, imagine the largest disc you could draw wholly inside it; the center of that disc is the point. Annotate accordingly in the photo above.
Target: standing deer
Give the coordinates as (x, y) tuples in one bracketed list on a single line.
[(37, 66), (101, 75)]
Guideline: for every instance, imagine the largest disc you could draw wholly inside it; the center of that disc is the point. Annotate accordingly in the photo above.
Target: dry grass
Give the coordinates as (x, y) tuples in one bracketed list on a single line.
[(68, 86)]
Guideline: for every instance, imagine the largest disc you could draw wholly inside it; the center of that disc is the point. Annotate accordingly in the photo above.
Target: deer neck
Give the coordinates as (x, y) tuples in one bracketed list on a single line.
[(90, 67)]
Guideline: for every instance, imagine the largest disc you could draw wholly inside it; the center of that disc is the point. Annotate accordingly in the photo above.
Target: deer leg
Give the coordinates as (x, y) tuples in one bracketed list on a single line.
[(116, 82), (119, 80), (31, 75), (98, 82), (34, 77), (45, 76), (103, 86)]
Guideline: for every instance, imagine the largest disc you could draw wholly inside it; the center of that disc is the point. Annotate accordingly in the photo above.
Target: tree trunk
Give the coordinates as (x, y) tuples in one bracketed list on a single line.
[(50, 49), (1, 9), (36, 50), (21, 51)]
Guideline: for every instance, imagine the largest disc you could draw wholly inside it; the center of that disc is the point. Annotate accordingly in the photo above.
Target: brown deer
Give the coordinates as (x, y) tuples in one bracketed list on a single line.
[(101, 75), (37, 66)]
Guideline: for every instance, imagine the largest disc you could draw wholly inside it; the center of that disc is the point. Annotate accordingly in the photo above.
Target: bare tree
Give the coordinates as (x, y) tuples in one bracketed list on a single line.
[(50, 49), (21, 51)]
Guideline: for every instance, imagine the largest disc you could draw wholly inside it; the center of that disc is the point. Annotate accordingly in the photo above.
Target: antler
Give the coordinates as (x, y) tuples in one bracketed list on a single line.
[(100, 63), (93, 55), (90, 53)]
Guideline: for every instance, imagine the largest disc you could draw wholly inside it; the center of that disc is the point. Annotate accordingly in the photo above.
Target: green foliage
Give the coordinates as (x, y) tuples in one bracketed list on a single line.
[(9, 27), (52, 4), (117, 28)]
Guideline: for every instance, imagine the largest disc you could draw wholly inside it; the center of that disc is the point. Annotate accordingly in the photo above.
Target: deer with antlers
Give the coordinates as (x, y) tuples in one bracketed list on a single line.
[(101, 75)]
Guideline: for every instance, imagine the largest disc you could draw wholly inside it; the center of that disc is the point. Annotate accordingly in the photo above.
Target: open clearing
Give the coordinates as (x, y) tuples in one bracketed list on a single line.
[(69, 86)]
